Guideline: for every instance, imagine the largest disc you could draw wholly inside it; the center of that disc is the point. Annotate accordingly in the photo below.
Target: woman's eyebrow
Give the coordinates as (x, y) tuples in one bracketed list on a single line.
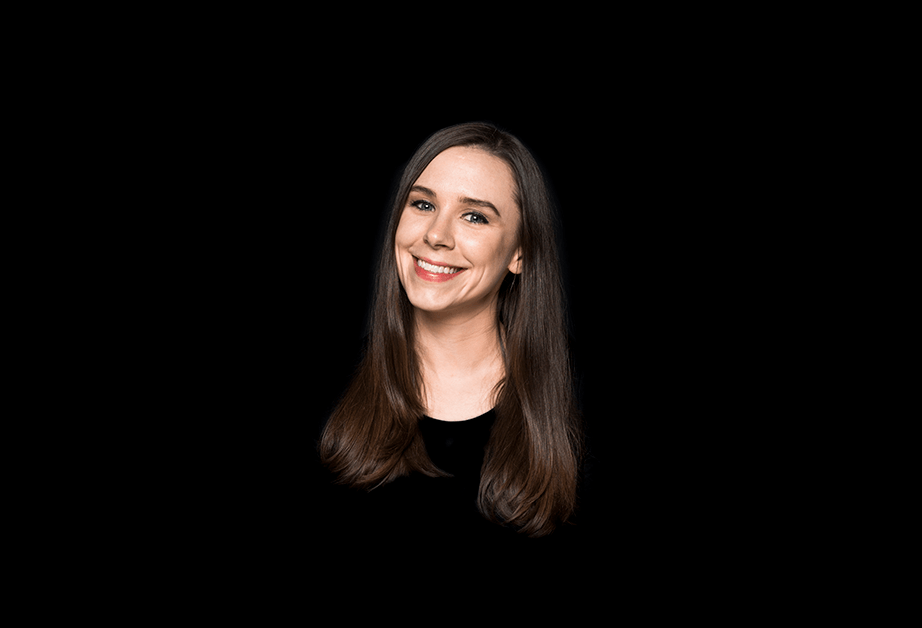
[(477, 203), (463, 200)]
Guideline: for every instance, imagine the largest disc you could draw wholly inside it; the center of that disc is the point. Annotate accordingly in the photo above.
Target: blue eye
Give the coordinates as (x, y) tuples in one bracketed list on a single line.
[(425, 206), (476, 218)]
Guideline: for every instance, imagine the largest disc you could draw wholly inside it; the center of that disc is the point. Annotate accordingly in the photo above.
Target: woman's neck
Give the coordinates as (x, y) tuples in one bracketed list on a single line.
[(463, 343)]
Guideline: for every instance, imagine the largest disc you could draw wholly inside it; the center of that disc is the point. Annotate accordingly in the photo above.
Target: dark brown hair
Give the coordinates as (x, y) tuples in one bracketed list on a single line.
[(529, 475)]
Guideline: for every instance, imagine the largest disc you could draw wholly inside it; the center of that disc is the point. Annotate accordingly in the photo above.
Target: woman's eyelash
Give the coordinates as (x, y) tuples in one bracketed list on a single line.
[(475, 218)]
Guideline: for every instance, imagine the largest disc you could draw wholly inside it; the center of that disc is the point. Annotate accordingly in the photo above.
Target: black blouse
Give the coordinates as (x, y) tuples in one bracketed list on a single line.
[(437, 519), (457, 447)]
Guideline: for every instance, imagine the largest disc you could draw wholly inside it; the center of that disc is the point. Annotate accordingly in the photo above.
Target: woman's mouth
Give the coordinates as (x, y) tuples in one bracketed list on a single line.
[(431, 271)]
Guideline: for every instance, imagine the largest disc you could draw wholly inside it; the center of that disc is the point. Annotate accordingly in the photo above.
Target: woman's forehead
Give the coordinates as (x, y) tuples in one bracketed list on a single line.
[(464, 171)]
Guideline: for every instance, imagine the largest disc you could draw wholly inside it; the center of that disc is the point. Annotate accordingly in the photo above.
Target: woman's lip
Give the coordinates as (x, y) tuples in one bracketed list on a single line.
[(433, 277)]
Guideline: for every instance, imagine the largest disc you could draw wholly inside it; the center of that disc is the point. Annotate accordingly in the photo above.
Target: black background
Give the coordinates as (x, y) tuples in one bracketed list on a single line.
[(249, 197), (269, 280)]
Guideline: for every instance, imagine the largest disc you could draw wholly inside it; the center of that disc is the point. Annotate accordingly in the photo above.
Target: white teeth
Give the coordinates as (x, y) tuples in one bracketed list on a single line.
[(445, 270)]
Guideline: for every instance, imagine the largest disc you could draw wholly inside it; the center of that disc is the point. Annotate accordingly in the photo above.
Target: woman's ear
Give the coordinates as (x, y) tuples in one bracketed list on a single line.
[(515, 266)]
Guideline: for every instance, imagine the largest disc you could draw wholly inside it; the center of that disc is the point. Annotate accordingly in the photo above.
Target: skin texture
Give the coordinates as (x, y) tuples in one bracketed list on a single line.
[(446, 221)]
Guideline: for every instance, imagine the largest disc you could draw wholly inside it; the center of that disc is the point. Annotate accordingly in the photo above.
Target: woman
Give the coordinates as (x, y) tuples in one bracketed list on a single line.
[(467, 371)]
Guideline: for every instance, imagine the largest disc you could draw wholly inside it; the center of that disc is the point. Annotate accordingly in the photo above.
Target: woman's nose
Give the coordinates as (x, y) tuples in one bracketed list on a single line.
[(439, 232)]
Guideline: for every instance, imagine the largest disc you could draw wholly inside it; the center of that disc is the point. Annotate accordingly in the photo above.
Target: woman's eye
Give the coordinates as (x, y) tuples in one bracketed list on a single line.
[(476, 218), (425, 206)]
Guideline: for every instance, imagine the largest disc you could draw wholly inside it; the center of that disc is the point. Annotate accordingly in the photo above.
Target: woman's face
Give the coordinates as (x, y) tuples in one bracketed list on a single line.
[(457, 236)]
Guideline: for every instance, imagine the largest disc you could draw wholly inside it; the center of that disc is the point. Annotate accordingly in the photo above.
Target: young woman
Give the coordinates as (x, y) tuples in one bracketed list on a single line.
[(467, 375)]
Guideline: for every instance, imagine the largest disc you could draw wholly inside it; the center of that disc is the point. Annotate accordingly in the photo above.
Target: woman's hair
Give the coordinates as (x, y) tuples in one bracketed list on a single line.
[(529, 475)]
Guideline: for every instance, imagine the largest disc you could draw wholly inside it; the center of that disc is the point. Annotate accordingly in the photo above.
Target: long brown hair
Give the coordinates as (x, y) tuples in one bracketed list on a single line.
[(529, 475)]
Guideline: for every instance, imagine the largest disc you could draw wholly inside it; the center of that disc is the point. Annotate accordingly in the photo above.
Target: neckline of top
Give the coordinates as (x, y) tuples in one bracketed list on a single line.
[(485, 414)]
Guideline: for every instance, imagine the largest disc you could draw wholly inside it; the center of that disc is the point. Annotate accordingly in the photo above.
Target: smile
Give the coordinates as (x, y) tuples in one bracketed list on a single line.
[(433, 272)]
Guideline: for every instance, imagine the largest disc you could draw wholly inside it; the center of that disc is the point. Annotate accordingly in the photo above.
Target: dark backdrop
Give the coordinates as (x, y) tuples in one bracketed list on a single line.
[(272, 280)]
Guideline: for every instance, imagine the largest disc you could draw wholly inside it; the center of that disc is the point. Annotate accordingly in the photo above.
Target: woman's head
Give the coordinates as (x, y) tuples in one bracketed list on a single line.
[(458, 233), (472, 199)]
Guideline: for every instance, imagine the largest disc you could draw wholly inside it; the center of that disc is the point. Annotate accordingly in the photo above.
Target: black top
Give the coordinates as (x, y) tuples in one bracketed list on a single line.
[(457, 447), (436, 518)]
